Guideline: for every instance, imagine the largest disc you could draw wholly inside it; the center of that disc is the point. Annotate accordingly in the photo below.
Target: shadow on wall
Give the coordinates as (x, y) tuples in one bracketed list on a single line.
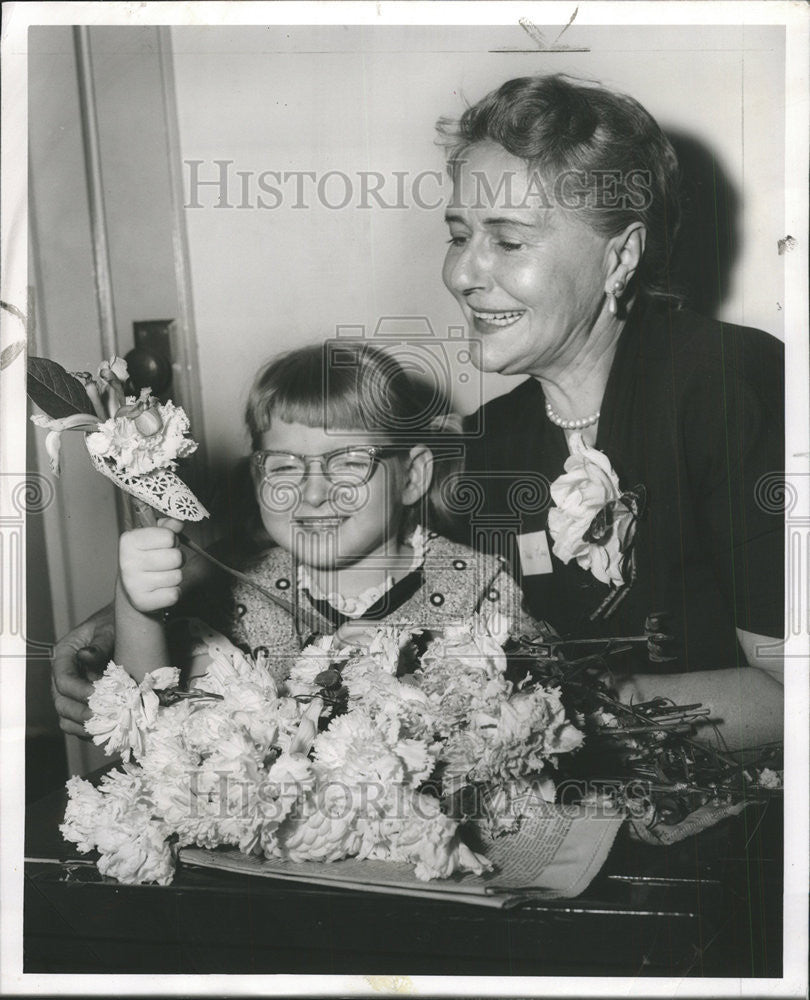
[(708, 243)]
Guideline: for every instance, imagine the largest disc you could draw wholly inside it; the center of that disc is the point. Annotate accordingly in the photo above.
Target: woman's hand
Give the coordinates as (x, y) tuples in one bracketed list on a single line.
[(79, 658), (149, 561), (746, 705)]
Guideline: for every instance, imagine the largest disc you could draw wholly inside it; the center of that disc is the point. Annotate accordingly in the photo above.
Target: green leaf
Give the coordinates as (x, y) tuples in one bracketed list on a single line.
[(10, 353), (56, 391)]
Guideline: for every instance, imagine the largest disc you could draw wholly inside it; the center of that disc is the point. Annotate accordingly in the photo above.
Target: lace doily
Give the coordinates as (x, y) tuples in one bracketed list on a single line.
[(161, 489), (355, 606)]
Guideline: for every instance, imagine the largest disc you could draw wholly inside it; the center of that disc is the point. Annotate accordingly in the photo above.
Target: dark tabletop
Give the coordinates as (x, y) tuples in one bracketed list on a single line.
[(708, 906)]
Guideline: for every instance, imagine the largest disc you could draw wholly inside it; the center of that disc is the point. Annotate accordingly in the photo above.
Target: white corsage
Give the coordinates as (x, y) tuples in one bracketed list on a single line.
[(144, 435), (135, 442), (593, 520)]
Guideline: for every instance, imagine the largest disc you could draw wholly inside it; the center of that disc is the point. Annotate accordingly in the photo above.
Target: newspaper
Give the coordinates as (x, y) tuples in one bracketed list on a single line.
[(556, 854)]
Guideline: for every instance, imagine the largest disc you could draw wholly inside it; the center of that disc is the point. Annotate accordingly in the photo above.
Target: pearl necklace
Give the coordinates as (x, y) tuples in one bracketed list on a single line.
[(570, 425)]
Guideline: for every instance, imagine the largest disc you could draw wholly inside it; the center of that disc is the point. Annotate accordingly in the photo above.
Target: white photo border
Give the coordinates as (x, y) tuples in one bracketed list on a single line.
[(17, 17)]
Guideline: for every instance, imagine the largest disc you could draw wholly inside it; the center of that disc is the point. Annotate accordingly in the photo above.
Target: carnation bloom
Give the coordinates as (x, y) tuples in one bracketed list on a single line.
[(587, 486), (356, 749), (117, 820), (121, 442), (123, 710), (412, 828), (518, 738), (84, 806), (769, 778), (312, 661)]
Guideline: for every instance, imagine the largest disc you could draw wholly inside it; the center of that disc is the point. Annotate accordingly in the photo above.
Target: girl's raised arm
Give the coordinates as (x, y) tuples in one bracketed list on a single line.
[(149, 579)]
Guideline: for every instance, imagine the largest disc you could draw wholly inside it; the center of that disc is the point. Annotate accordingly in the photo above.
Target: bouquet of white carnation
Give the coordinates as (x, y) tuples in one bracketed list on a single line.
[(346, 759)]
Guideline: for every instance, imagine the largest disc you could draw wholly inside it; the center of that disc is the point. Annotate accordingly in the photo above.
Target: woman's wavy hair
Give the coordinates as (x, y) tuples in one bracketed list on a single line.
[(354, 386), (559, 125)]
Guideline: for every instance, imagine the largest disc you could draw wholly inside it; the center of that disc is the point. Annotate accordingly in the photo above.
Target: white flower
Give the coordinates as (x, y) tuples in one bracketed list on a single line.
[(462, 673), (56, 425), (123, 710), (412, 828), (326, 828), (478, 645), (251, 707), (120, 441), (116, 819), (164, 744), (161, 678), (385, 647), (356, 749), (516, 737), (114, 368), (204, 728), (397, 705), (603, 719), (769, 778), (312, 661), (85, 803), (111, 377), (144, 857), (187, 800), (586, 487)]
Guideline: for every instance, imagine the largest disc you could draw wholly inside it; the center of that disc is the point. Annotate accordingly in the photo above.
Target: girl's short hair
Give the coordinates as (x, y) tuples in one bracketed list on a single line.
[(354, 386), (566, 128)]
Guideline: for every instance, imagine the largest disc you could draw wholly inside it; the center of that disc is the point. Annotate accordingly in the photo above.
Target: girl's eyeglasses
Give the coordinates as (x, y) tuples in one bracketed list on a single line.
[(353, 466)]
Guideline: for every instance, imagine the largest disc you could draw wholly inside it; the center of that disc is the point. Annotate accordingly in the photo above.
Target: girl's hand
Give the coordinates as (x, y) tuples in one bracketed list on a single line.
[(149, 561)]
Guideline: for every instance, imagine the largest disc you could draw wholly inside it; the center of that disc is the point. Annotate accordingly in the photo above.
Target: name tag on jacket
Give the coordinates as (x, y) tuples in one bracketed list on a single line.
[(535, 557)]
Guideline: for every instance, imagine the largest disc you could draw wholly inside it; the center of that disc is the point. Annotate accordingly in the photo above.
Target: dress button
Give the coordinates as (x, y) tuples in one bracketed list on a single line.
[(494, 594), (437, 599), (459, 564), (282, 583), (241, 610)]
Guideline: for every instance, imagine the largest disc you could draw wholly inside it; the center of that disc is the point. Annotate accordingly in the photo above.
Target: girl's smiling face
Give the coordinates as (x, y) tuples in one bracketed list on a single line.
[(327, 526), (528, 275)]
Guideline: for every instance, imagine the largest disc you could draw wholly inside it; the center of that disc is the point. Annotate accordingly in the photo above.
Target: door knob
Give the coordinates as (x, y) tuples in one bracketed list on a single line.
[(149, 368)]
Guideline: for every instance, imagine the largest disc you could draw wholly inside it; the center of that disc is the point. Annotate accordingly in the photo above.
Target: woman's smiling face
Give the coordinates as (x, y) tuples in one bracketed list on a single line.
[(529, 275)]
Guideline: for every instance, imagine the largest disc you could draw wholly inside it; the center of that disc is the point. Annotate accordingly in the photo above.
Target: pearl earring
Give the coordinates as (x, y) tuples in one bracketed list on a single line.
[(613, 297)]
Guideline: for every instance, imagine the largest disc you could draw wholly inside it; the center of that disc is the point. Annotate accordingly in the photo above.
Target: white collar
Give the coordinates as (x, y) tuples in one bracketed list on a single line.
[(355, 606)]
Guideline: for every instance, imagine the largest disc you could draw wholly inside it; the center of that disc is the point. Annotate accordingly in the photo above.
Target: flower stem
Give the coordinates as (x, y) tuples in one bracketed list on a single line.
[(306, 619)]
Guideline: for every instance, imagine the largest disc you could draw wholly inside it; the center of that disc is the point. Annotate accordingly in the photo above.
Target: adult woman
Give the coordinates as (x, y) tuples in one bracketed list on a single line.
[(561, 225), (563, 217)]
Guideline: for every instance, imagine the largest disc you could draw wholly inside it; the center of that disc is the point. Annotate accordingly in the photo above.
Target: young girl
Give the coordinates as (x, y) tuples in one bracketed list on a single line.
[(351, 467)]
